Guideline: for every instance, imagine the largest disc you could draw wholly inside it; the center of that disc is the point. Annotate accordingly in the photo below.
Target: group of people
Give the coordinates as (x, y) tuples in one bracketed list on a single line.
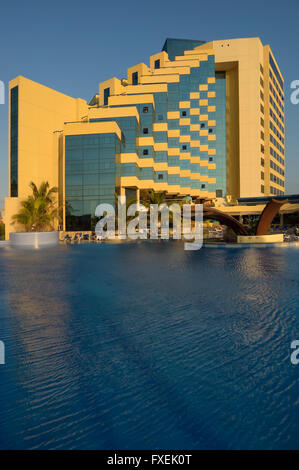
[(79, 236)]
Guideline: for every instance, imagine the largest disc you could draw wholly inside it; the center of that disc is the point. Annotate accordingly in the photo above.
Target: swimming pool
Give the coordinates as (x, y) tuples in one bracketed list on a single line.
[(147, 346)]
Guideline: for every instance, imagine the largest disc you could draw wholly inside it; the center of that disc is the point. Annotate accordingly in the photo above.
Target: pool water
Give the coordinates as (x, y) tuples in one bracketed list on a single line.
[(147, 346)]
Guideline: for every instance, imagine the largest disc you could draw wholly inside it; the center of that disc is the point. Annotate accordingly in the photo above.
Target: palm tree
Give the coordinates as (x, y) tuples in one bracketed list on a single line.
[(44, 191), (39, 211), (154, 197)]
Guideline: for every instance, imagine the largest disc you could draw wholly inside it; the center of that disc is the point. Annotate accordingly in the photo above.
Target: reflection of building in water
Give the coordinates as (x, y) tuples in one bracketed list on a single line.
[(258, 263), (2, 353)]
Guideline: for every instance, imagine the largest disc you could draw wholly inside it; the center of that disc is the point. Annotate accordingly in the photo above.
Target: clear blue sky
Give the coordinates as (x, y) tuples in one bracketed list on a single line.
[(72, 45)]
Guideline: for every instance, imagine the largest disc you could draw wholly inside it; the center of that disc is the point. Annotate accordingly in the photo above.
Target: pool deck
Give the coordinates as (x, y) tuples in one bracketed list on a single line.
[(206, 244), (252, 245)]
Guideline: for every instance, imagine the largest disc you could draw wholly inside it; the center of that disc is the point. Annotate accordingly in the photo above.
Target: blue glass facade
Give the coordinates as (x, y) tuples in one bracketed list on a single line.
[(89, 177), (106, 96), (174, 141), (170, 101), (176, 47), (180, 92), (14, 117)]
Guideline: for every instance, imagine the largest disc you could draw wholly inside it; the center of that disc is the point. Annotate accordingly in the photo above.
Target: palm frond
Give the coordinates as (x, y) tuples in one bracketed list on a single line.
[(39, 211)]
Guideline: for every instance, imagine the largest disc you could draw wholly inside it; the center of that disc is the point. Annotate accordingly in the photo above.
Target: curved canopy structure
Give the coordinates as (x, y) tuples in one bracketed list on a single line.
[(225, 219), (270, 211), (268, 214)]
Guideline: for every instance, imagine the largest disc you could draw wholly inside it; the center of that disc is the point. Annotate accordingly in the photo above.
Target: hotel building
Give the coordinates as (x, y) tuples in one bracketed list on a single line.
[(203, 119)]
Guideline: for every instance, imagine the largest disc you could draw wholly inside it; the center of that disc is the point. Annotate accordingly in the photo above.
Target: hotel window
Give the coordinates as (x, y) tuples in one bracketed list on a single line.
[(262, 108), (262, 175), (210, 131), (135, 78), (202, 125), (157, 64), (184, 147), (106, 96), (160, 177), (210, 159), (274, 68), (262, 122), (145, 130), (262, 69), (262, 149), (262, 162), (160, 117), (262, 95), (184, 113), (145, 152), (203, 186), (262, 188), (262, 82), (262, 135), (145, 109)]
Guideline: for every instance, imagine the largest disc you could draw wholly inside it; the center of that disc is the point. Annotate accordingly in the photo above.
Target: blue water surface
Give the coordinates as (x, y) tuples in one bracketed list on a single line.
[(147, 346)]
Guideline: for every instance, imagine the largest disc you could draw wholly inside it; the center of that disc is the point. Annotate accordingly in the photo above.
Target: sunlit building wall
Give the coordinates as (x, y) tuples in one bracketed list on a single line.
[(204, 120)]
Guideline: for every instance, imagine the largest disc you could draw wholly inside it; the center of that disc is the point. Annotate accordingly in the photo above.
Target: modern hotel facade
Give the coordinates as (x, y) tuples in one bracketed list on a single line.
[(204, 119)]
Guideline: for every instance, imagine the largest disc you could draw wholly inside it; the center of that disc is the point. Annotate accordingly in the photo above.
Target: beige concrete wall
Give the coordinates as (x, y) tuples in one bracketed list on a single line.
[(42, 112), (268, 131), (12, 205), (232, 130)]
